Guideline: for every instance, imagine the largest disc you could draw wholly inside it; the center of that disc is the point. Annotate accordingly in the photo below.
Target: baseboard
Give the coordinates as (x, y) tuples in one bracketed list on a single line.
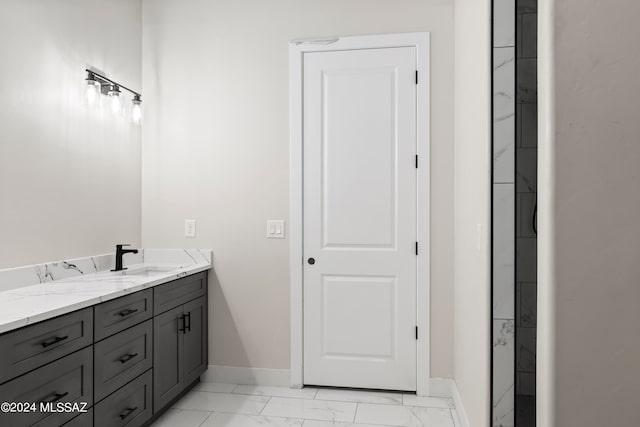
[(440, 387), (250, 376), (457, 400)]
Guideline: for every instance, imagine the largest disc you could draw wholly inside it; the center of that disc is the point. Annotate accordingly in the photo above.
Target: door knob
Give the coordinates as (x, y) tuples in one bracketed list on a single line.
[(311, 261)]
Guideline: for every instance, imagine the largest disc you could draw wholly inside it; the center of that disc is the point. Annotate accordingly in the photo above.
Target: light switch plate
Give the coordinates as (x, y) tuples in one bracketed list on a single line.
[(275, 229), (189, 228)]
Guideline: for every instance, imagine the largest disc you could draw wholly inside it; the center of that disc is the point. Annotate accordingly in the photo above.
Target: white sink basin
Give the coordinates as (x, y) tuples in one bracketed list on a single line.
[(148, 271)]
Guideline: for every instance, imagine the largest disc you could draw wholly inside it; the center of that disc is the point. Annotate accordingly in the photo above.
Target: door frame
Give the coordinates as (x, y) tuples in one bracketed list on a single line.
[(297, 48)]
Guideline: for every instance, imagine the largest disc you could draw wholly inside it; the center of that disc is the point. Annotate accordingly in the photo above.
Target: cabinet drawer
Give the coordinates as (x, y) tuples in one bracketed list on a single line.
[(121, 358), (173, 294), (33, 346), (130, 406), (66, 380), (83, 420), (119, 314)]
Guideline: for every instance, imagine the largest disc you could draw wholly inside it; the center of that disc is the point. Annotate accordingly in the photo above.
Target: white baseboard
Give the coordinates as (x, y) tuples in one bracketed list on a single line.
[(249, 376), (457, 400), (440, 387)]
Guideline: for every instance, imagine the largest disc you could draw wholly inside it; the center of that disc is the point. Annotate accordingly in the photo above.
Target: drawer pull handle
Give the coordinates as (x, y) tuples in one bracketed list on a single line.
[(125, 359), (187, 326), (55, 397), (182, 329), (127, 312), (128, 412), (53, 341)]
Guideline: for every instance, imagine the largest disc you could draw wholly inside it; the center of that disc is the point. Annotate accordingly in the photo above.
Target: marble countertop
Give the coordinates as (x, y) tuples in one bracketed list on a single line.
[(26, 305)]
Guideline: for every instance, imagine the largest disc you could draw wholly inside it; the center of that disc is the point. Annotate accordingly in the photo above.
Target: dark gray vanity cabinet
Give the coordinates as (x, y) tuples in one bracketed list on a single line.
[(180, 340), (119, 314), (28, 348), (131, 406), (195, 344), (129, 358), (121, 358), (69, 379)]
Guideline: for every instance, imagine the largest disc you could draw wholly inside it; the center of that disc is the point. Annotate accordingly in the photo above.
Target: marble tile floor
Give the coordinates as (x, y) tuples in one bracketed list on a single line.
[(231, 405)]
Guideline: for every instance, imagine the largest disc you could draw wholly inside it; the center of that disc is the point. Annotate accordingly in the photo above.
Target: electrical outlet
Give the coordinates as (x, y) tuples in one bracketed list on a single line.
[(189, 228), (275, 229)]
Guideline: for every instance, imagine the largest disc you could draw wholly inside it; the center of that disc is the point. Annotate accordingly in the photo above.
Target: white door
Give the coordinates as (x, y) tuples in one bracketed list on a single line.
[(359, 214)]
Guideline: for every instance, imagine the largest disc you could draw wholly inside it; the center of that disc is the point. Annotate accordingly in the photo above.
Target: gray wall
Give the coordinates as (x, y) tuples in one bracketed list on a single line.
[(216, 149), (589, 224), (69, 175)]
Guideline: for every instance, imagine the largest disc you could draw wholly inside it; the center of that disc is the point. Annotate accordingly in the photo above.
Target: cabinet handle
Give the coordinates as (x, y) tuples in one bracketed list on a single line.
[(182, 329), (56, 397), (128, 412), (188, 325), (125, 359), (127, 312), (53, 341)]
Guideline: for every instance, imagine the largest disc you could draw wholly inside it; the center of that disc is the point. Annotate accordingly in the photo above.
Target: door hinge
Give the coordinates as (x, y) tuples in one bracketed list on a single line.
[(416, 248), (416, 76), (416, 161), (416, 332)]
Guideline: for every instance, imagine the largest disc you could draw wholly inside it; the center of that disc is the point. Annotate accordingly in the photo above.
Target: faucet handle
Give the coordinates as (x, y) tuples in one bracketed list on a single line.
[(121, 245)]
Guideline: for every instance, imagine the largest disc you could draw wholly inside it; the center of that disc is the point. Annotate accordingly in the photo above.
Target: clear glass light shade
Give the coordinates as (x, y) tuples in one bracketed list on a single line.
[(115, 101), (136, 112), (93, 92)]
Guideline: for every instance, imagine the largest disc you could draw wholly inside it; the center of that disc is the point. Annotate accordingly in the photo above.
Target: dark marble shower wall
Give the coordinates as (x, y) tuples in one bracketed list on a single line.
[(526, 201), (514, 204)]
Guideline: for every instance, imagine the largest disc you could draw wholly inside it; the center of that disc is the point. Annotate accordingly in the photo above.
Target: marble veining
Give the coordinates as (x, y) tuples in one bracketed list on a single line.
[(12, 278), (230, 405), (504, 72), (58, 288), (503, 366)]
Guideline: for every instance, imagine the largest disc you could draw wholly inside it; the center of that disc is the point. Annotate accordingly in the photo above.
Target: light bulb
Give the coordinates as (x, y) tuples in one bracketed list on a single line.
[(114, 99), (93, 89), (115, 103), (136, 110)]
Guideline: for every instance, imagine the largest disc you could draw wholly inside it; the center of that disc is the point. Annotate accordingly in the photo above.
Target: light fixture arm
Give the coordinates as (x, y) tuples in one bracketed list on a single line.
[(102, 79)]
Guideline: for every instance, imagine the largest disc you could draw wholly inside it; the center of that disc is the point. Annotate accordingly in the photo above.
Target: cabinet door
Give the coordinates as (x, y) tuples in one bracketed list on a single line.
[(195, 340), (167, 357)]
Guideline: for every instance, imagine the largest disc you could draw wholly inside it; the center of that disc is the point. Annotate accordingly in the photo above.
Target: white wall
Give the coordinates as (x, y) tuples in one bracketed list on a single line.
[(216, 148), (590, 229), (472, 319), (69, 178)]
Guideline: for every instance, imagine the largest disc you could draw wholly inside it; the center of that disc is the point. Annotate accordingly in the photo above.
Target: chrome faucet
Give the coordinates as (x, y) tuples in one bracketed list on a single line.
[(120, 253)]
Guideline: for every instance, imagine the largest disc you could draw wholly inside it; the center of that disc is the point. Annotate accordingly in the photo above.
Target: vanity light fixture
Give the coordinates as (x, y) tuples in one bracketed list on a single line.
[(114, 98), (93, 89), (136, 109), (99, 84)]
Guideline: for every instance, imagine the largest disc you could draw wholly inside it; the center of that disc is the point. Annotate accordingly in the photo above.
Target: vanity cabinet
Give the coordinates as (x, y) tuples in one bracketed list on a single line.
[(121, 358), (129, 358), (180, 349), (130, 406), (33, 346), (119, 314), (69, 379)]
